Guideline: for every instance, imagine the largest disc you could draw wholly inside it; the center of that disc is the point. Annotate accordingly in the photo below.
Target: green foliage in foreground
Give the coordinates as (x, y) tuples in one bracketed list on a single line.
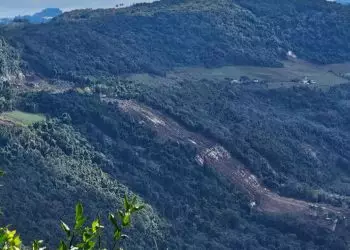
[(80, 236)]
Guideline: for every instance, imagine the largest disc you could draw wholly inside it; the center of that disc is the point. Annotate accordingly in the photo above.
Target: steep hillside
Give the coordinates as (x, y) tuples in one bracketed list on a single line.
[(301, 131), (49, 167), (202, 210), (223, 162), (313, 29), (9, 62), (165, 34), (214, 155)]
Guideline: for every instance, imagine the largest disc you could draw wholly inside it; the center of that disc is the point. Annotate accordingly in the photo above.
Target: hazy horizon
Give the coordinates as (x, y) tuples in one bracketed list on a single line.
[(12, 8)]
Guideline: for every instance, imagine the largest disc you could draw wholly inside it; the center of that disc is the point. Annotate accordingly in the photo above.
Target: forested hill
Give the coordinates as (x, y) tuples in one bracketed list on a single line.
[(238, 157), (164, 34), (9, 62)]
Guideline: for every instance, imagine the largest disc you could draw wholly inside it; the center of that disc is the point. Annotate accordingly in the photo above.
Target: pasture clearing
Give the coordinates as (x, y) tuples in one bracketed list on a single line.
[(21, 118), (293, 73)]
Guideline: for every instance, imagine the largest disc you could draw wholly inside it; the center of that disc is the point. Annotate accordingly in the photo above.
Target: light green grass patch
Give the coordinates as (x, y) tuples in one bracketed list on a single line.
[(22, 118), (324, 76)]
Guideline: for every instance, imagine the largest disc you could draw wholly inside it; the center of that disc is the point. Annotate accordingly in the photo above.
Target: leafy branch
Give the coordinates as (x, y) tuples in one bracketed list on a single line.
[(80, 237)]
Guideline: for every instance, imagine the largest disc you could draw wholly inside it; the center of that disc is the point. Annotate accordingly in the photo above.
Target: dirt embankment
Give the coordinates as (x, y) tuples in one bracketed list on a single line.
[(216, 156), (5, 122)]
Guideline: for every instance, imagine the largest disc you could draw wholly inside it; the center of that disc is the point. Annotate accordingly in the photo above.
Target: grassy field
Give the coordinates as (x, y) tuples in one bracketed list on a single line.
[(323, 75), (22, 118)]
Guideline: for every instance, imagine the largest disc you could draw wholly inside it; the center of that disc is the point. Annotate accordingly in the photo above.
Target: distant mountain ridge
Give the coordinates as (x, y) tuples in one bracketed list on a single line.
[(41, 17)]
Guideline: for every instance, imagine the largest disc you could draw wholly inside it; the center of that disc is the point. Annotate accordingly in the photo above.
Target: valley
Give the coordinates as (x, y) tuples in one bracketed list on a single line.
[(261, 201), (228, 119)]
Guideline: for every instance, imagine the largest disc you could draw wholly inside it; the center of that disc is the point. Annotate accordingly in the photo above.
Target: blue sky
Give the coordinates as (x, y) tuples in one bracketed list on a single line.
[(9, 8)]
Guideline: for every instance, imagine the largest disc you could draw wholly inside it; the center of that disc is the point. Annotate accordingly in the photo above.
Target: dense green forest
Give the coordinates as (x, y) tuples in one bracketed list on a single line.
[(155, 37), (295, 139), (49, 168), (9, 61), (200, 209), (81, 146)]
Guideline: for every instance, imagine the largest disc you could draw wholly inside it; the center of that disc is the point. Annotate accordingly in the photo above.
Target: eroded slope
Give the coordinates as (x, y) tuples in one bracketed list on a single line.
[(216, 156)]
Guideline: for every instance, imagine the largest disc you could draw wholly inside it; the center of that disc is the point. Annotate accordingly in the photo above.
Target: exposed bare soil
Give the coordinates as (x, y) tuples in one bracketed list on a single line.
[(4, 122), (216, 156)]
